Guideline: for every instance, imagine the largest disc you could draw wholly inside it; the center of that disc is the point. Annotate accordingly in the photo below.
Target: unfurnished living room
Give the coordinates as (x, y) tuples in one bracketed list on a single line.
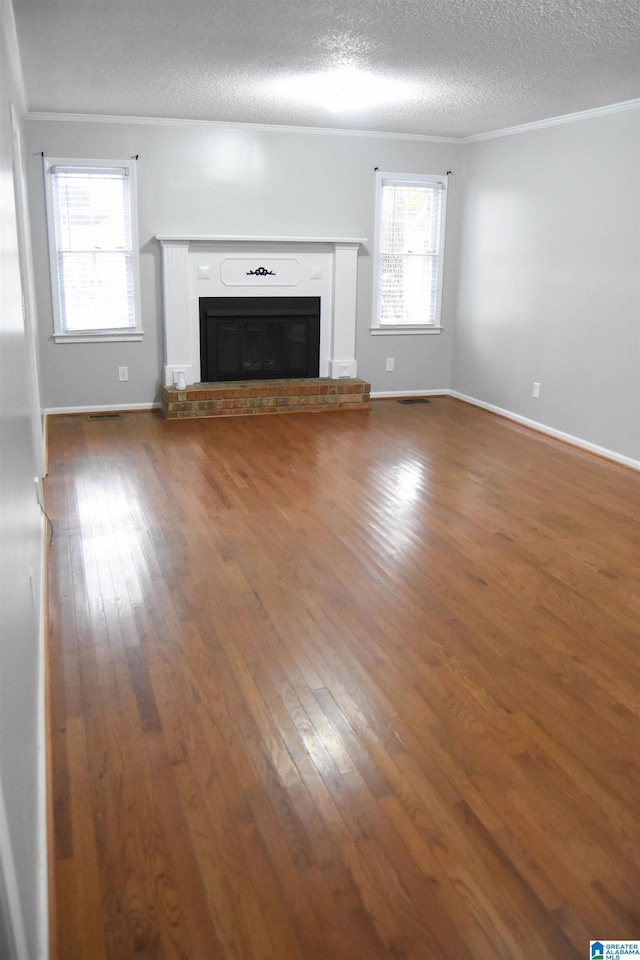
[(320, 480)]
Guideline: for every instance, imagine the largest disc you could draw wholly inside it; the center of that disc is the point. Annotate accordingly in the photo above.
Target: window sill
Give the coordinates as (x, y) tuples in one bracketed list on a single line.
[(400, 330), (96, 337)]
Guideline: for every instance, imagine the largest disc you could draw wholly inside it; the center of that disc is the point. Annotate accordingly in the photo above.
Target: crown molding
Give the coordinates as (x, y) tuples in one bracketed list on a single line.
[(319, 131), (554, 121), (15, 64), (224, 125)]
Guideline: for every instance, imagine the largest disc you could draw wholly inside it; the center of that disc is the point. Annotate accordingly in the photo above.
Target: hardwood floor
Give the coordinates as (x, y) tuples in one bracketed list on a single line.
[(341, 687)]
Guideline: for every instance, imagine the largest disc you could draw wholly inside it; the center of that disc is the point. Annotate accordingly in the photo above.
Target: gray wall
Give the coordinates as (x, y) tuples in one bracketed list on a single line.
[(550, 278), (542, 257), (22, 855), (199, 179)]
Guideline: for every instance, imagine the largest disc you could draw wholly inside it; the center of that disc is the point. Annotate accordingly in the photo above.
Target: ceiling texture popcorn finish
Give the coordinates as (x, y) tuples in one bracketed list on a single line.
[(469, 66)]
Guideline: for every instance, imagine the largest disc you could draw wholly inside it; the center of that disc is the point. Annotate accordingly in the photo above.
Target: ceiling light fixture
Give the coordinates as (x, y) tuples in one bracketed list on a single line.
[(344, 90)]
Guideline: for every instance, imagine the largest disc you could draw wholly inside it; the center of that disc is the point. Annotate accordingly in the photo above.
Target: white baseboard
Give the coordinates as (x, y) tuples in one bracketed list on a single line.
[(102, 408), (550, 431), (390, 395), (42, 786)]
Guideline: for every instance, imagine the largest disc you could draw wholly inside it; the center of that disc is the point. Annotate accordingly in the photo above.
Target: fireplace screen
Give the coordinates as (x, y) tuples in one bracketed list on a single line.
[(259, 338)]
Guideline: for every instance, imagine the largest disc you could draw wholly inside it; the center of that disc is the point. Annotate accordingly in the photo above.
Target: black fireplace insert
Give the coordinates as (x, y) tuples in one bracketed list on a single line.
[(259, 338)]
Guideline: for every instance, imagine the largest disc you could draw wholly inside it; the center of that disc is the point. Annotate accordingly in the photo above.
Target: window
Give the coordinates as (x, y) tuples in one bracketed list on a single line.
[(93, 249), (409, 253)]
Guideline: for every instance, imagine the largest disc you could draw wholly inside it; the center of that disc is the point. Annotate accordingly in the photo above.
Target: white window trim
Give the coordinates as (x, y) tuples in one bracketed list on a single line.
[(395, 329), (104, 335)]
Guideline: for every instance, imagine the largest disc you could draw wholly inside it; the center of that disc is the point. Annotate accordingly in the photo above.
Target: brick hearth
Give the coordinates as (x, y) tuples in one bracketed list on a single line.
[(247, 397)]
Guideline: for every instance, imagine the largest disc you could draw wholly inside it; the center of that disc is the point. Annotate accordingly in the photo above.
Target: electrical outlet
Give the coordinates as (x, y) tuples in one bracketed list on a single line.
[(390, 364), (39, 492), (123, 374), (536, 390)]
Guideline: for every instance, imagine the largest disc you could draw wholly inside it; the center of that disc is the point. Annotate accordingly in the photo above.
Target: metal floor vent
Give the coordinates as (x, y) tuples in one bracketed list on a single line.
[(414, 400), (104, 416)]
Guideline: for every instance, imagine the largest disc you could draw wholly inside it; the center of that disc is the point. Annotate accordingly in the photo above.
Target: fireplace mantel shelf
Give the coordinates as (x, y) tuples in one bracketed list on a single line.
[(230, 238)]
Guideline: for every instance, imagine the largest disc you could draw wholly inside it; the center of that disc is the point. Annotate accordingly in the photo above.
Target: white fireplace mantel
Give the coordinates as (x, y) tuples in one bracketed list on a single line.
[(210, 266)]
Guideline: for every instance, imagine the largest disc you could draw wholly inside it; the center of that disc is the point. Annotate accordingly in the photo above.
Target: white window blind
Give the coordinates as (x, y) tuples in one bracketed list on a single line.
[(410, 232), (93, 253)]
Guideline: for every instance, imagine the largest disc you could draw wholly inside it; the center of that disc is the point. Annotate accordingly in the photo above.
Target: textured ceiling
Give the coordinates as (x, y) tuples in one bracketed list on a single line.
[(475, 65)]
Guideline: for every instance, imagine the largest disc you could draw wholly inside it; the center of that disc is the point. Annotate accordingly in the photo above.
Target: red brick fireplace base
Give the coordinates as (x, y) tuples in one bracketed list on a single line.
[(246, 397)]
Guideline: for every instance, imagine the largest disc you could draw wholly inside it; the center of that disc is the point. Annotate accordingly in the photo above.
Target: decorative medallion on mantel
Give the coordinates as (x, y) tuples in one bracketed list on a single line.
[(261, 272)]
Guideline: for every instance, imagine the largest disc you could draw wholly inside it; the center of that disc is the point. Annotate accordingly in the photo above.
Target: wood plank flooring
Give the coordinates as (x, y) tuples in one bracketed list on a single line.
[(341, 687)]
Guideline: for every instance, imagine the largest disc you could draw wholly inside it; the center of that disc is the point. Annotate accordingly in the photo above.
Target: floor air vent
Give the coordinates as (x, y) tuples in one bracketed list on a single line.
[(414, 400), (104, 416)]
